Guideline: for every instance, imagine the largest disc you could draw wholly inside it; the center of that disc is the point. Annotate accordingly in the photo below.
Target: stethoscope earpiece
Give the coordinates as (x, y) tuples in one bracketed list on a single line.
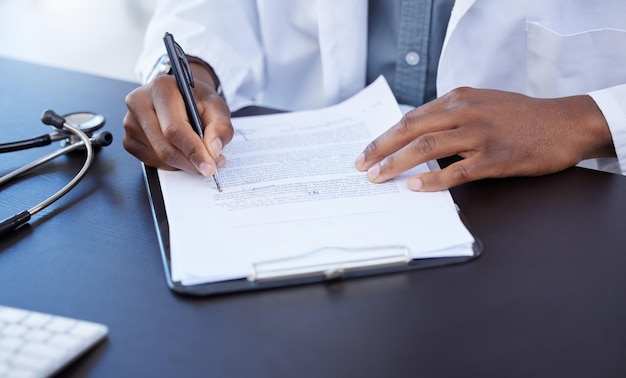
[(51, 118), (75, 130)]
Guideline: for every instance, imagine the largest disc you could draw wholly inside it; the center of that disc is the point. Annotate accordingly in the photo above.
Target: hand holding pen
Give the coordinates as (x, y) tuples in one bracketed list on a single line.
[(159, 128)]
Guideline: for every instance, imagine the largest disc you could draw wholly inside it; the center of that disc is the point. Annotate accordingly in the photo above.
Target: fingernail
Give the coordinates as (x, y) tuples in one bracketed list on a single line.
[(216, 146), (205, 169), (360, 160), (373, 172), (415, 184)]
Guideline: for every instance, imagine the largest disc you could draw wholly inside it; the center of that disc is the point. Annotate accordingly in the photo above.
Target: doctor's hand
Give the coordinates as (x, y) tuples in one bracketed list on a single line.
[(497, 133), (158, 131)]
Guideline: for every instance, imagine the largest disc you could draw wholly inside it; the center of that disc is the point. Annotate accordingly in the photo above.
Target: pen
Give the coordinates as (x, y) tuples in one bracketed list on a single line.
[(184, 79)]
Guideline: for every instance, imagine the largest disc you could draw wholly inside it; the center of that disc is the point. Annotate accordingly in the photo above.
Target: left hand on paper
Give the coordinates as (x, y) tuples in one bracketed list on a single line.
[(497, 133)]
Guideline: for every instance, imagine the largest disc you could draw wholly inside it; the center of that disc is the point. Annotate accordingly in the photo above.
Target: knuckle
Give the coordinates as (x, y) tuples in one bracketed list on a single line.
[(138, 93), (167, 153), (371, 147), (135, 148), (127, 122), (193, 157), (459, 98), (134, 98), (220, 125), (459, 173), (227, 135), (171, 132), (423, 145), (159, 81), (130, 124), (130, 145), (388, 163), (159, 86), (129, 99), (404, 125), (460, 93)]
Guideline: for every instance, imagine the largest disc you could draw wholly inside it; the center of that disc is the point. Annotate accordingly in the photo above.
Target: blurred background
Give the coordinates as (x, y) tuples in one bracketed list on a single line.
[(102, 37)]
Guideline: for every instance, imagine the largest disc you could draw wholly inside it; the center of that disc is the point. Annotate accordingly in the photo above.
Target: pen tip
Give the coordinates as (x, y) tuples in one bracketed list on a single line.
[(217, 182)]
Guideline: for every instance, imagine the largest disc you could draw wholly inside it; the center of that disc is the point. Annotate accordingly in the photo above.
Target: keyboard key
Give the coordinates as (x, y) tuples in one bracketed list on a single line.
[(85, 330), (10, 343), (36, 320), (12, 315), (60, 324), (34, 344), (37, 334), (64, 341), (14, 330)]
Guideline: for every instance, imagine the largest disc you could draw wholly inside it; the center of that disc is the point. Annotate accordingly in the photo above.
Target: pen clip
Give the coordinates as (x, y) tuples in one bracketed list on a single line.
[(180, 54)]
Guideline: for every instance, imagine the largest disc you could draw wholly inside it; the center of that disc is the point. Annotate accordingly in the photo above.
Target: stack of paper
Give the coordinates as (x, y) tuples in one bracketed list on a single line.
[(290, 189)]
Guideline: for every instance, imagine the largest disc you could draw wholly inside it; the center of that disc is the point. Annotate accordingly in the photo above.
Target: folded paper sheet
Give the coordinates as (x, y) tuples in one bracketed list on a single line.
[(290, 188)]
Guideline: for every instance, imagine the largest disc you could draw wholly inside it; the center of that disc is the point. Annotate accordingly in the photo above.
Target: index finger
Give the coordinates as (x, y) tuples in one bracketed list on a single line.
[(182, 148), (419, 121)]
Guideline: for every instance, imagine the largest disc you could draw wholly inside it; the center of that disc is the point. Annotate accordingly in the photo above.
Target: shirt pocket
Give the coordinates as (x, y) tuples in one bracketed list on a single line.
[(567, 64)]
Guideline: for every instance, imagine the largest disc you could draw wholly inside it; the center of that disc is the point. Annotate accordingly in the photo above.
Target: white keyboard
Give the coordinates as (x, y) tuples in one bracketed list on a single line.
[(34, 344)]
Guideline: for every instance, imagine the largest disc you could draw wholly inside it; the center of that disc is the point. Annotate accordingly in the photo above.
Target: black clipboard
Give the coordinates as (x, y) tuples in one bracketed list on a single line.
[(399, 261)]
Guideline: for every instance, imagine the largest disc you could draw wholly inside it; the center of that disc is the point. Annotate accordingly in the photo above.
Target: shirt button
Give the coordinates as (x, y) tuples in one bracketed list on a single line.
[(412, 58)]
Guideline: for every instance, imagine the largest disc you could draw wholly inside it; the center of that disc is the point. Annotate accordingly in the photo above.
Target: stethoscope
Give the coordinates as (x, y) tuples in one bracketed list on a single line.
[(76, 131)]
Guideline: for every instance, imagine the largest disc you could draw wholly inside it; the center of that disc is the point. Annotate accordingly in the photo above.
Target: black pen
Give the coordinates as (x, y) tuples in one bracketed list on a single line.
[(184, 78)]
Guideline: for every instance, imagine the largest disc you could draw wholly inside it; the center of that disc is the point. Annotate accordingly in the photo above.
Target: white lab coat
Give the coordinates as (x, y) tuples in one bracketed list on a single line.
[(287, 54), (296, 54)]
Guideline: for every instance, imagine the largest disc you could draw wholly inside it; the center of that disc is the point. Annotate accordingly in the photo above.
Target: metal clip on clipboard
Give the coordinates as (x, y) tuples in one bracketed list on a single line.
[(323, 263)]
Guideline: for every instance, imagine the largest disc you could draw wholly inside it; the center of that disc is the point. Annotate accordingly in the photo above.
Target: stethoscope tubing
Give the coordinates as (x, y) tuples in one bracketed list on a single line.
[(84, 139), (84, 142), (42, 140), (32, 165), (68, 130), (39, 141)]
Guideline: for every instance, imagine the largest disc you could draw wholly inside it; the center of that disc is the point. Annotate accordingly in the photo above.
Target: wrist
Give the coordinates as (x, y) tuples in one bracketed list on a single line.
[(201, 70), (593, 127)]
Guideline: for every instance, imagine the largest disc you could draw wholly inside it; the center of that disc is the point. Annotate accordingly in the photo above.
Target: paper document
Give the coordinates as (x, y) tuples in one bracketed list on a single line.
[(290, 188)]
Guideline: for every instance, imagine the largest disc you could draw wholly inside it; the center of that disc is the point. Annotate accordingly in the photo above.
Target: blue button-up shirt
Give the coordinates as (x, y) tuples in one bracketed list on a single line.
[(404, 44)]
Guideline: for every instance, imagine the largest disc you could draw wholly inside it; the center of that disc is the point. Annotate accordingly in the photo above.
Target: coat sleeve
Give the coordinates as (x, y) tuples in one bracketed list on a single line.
[(612, 103), (224, 33)]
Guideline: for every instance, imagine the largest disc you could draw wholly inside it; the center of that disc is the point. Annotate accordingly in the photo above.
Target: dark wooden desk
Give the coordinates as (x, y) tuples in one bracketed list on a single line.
[(547, 298)]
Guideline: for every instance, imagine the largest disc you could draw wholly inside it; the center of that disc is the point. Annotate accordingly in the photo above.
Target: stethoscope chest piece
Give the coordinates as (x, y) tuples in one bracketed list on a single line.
[(87, 122)]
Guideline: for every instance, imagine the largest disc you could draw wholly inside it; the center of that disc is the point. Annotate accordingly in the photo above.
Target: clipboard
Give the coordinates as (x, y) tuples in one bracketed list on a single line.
[(269, 274)]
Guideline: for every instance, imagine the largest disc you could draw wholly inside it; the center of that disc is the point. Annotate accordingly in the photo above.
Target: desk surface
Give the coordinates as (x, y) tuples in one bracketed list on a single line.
[(547, 297)]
